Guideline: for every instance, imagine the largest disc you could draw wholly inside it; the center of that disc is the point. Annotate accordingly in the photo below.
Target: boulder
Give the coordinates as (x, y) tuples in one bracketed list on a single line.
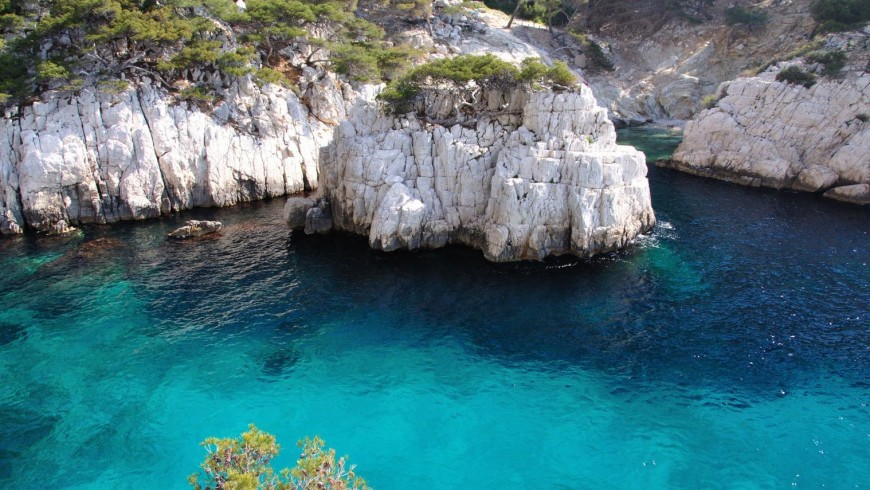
[(296, 209), (194, 228), (816, 178), (318, 219), (855, 194)]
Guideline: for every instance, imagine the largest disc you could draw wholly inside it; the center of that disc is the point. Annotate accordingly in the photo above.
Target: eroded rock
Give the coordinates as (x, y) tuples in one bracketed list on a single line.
[(524, 176), (195, 228), (774, 134), (855, 194)]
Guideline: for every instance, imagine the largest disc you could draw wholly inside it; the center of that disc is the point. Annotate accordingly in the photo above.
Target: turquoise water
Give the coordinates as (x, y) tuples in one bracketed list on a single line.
[(728, 349)]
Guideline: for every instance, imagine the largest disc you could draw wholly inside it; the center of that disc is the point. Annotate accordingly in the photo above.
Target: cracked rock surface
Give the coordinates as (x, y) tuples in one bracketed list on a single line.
[(528, 176)]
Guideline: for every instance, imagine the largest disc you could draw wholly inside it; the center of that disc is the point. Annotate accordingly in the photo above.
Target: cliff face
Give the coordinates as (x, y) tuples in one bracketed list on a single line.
[(774, 134), (663, 68), (99, 157), (530, 175)]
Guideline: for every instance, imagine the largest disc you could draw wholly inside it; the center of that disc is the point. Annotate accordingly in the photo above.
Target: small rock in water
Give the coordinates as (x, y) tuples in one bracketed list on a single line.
[(295, 210), (855, 194), (194, 228), (60, 228)]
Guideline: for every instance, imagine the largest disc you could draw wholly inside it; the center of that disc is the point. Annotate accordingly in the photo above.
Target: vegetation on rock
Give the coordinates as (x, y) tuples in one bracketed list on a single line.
[(53, 44), (487, 71), (244, 463), (834, 61), (840, 15), (595, 55), (743, 16), (796, 76)]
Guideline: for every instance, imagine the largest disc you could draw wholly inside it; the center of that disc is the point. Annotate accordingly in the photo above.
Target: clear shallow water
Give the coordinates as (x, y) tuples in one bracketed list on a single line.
[(728, 349)]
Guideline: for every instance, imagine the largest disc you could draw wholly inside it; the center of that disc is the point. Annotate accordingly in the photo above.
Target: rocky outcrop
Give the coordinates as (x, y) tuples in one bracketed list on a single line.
[(310, 214), (665, 65), (855, 194), (774, 134), (518, 175), (195, 228), (99, 157)]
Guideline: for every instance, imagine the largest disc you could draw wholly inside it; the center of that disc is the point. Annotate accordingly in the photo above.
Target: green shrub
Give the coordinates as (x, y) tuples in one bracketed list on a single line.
[(744, 16), (270, 75), (198, 94), (796, 76), (560, 74), (487, 71), (237, 63), (532, 70), (593, 51), (196, 53), (863, 117), (834, 61), (796, 53), (839, 15), (49, 71), (113, 86), (710, 101), (244, 463)]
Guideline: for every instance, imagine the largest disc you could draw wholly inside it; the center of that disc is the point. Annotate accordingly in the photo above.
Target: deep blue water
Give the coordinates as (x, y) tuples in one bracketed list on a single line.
[(730, 348)]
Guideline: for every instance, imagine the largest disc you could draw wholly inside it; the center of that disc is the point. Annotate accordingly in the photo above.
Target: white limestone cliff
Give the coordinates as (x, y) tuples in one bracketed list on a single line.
[(527, 176), (100, 157), (774, 134)]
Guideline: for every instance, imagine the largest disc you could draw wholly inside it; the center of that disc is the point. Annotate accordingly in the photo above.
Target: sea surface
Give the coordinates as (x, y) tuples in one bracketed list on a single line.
[(729, 348)]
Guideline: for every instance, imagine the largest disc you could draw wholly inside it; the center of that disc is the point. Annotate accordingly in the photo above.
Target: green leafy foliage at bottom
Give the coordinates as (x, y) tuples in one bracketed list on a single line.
[(244, 463)]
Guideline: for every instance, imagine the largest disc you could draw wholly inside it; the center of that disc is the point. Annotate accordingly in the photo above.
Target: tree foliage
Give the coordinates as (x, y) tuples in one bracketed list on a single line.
[(487, 71), (244, 463), (838, 15), (53, 42)]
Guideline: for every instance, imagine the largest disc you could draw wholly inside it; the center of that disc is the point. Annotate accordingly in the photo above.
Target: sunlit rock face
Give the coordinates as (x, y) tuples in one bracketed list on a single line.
[(518, 175)]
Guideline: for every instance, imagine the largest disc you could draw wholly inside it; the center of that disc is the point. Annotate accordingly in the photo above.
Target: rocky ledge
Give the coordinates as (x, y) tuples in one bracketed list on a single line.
[(764, 132), (515, 174)]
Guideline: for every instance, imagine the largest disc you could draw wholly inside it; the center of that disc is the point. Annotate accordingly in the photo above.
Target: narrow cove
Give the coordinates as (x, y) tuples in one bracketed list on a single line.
[(726, 349)]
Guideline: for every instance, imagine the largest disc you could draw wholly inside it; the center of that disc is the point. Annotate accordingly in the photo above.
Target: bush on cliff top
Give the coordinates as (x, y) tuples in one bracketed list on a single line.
[(487, 71), (52, 43)]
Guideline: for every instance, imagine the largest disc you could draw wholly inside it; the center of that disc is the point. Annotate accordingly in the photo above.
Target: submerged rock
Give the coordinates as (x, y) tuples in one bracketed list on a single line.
[(194, 228), (521, 176)]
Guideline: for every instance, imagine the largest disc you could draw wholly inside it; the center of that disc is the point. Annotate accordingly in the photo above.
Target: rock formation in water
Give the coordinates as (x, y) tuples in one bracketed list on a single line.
[(765, 132), (99, 157), (196, 228), (520, 176)]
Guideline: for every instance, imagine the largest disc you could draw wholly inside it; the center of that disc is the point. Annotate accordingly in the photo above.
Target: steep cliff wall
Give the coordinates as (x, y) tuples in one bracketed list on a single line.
[(98, 157), (526, 176)]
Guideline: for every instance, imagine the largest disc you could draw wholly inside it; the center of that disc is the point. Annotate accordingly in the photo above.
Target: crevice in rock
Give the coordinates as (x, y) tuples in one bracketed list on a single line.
[(167, 189)]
